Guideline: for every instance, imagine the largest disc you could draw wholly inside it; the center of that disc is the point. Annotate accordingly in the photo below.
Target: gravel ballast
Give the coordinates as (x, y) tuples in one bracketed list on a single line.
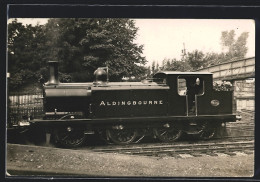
[(34, 160)]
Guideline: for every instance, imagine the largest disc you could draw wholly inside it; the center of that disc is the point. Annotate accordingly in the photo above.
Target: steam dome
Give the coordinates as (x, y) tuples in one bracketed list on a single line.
[(100, 75)]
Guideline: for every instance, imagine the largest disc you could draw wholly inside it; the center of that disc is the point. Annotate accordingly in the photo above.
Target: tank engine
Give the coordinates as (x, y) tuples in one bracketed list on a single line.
[(170, 104)]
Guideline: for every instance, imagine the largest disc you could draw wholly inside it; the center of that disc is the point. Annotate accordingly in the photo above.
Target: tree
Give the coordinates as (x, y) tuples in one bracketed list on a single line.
[(240, 45), (148, 71), (234, 48), (154, 70), (83, 45), (193, 61), (180, 66), (228, 39), (25, 51), (80, 46), (196, 59), (175, 65)]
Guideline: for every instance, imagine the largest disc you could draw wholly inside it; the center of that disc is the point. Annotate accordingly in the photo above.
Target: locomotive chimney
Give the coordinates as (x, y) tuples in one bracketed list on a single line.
[(54, 77)]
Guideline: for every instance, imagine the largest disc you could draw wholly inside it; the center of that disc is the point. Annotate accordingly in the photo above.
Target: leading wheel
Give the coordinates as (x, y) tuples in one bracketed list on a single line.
[(207, 132), (69, 137), (168, 133), (122, 136)]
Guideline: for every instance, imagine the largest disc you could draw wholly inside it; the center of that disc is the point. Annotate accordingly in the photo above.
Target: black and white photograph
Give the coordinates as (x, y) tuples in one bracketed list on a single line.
[(130, 97)]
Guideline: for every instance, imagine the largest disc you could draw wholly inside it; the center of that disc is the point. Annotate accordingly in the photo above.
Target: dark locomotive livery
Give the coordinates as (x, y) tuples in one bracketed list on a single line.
[(168, 105)]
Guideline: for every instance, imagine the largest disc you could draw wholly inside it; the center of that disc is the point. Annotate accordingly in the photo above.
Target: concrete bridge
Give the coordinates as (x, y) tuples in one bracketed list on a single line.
[(241, 73)]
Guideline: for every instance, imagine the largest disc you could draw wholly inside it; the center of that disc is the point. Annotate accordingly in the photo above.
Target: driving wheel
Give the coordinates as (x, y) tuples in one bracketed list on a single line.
[(69, 137), (168, 133), (208, 131), (122, 136)]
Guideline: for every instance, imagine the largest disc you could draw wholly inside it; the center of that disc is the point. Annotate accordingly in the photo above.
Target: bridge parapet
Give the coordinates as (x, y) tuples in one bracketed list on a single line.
[(233, 70)]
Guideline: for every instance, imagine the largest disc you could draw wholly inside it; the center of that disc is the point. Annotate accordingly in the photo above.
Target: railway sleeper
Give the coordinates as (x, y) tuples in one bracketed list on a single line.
[(230, 153)]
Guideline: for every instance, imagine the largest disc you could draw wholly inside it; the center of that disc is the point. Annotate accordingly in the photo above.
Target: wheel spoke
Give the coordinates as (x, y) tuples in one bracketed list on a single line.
[(207, 132), (122, 136), (168, 134), (70, 139), (163, 133)]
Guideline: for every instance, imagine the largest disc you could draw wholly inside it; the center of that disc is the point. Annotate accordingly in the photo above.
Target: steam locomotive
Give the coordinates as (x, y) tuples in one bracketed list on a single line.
[(166, 106)]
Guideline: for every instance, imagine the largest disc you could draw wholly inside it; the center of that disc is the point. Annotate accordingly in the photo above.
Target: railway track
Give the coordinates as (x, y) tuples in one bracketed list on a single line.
[(245, 126), (228, 145), (175, 150)]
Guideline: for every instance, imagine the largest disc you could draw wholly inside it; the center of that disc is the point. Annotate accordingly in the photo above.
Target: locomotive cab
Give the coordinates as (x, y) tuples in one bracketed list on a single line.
[(194, 95)]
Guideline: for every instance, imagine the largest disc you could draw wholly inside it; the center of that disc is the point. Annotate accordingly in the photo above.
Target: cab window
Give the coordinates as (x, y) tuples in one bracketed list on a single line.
[(182, 87), (190, 84)]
